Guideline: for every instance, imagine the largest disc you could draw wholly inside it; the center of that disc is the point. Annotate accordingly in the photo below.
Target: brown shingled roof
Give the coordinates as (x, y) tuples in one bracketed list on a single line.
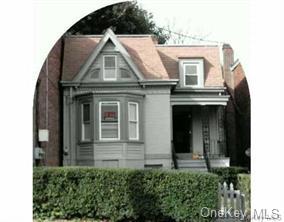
[(141, 49), (170, 56), (154, 61)]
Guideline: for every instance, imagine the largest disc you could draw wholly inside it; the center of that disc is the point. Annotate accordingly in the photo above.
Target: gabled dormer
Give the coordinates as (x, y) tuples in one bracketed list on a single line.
[(191, 72), (109, 62)]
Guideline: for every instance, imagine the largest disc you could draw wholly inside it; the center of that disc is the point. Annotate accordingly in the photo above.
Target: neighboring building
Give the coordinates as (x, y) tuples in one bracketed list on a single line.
[(47, 109), (129, 102)]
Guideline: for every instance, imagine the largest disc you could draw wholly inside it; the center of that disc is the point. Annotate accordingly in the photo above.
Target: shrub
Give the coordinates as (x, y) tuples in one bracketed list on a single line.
[(229, 174), (244, 187), (120, 194)]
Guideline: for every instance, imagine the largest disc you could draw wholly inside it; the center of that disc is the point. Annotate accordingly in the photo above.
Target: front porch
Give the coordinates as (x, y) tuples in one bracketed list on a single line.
[(198, 126)]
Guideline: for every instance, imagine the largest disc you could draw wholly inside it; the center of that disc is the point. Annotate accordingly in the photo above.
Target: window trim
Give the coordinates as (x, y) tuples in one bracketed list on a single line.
[(200, 72), (136, 121), (115, 68), (100, 118), (83, 139)]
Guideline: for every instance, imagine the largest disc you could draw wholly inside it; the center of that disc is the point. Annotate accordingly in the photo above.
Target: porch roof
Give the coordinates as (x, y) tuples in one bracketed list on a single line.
[(199, 100)]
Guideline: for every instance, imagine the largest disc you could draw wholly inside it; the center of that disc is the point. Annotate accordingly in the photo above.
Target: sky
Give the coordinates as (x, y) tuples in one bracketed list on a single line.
[(39, 24), (218, 20)]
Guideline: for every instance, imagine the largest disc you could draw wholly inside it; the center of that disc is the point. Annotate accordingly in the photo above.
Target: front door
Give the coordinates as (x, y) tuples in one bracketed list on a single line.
[(182, 129)]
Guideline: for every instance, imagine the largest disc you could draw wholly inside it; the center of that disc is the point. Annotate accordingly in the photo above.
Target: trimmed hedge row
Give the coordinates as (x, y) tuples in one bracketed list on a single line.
[(122, 194), (229, 174)]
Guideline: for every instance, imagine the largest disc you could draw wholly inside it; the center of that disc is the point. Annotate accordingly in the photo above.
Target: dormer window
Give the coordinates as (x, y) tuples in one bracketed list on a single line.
[(192, 73), (110, 67)]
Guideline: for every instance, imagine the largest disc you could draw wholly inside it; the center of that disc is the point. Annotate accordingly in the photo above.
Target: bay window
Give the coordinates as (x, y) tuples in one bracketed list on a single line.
[(109, 115), (133, 121), (86, 122)]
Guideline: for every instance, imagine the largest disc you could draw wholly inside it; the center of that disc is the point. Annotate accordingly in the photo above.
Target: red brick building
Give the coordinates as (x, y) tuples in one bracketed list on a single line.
[(47, 107)]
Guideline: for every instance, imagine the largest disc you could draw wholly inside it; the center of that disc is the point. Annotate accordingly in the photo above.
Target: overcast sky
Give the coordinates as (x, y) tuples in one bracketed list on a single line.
[(218, 20)]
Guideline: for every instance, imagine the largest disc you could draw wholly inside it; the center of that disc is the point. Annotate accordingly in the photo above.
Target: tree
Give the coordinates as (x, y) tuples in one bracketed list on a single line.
[(123, 18)]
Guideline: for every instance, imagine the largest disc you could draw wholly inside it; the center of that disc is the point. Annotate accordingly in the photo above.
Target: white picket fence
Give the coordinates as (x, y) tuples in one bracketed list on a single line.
[(230, 198)]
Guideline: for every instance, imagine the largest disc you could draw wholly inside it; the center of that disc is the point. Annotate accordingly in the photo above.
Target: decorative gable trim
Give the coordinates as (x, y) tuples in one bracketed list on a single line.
[(109, 35)]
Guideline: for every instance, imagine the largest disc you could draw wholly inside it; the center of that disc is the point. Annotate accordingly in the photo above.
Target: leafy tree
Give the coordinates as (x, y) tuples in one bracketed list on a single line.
[(123, 18)]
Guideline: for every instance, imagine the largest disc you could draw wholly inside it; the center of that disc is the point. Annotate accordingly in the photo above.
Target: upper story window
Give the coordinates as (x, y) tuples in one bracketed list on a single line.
[(192, 73), (110, 67)]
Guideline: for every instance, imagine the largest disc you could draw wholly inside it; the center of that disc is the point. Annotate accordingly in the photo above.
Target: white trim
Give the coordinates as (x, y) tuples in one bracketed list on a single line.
[(136, 121), (118, 118), (200, 72), (115, 68)]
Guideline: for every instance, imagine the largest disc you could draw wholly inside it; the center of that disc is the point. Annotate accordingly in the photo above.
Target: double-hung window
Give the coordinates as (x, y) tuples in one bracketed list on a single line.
[(86, 122), (109, 120), (133, 121), (193, 74), (110, 67)]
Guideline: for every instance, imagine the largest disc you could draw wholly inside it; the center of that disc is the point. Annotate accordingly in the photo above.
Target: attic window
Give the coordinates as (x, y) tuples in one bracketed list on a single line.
[(192, 73), (124, 73), (110, 69)]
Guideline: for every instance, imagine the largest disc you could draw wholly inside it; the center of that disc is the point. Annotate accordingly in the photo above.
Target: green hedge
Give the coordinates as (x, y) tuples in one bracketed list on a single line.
[(244, 187), (229, 174), (120, 194)]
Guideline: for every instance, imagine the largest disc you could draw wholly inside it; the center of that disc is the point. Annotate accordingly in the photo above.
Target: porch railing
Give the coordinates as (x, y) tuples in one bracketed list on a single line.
[(174, 156), (217, 149)]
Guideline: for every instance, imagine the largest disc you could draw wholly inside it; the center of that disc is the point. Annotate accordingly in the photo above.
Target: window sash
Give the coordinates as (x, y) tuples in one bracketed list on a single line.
[(107, 126), (86, 122), (198, 75), (133, 121), (109, 72)]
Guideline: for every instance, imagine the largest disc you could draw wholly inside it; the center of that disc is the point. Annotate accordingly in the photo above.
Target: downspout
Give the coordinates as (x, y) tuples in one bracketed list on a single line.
[(70, 120), (35, 125), (46, 107)]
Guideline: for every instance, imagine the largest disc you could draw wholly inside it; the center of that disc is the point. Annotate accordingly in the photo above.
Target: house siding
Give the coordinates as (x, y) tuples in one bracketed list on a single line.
[(157, 127)]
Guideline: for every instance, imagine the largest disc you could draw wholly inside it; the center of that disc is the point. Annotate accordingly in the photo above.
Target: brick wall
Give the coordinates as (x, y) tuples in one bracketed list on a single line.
[(242, 103), (237, 109), (48, 106)]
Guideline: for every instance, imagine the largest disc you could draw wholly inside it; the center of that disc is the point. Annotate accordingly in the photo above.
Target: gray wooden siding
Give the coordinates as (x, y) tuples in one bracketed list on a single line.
[(157, 126), (110, 154)]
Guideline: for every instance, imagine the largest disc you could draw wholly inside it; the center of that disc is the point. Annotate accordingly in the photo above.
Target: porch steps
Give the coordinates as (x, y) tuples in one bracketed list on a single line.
[(185, 162), (189, 164)]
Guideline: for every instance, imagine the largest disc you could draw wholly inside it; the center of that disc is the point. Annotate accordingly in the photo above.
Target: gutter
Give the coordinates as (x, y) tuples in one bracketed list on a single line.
[(159, 82)]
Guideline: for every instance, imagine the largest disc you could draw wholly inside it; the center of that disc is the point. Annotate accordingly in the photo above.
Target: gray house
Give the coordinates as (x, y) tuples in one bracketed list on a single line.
[(129, 102)]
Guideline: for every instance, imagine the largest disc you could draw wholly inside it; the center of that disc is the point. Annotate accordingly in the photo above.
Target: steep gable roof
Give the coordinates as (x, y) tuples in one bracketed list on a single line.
[(79, 52), (109, 36)]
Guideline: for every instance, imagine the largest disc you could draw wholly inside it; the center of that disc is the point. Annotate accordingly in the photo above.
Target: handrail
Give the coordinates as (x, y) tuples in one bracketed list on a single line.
[(174, 156)]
